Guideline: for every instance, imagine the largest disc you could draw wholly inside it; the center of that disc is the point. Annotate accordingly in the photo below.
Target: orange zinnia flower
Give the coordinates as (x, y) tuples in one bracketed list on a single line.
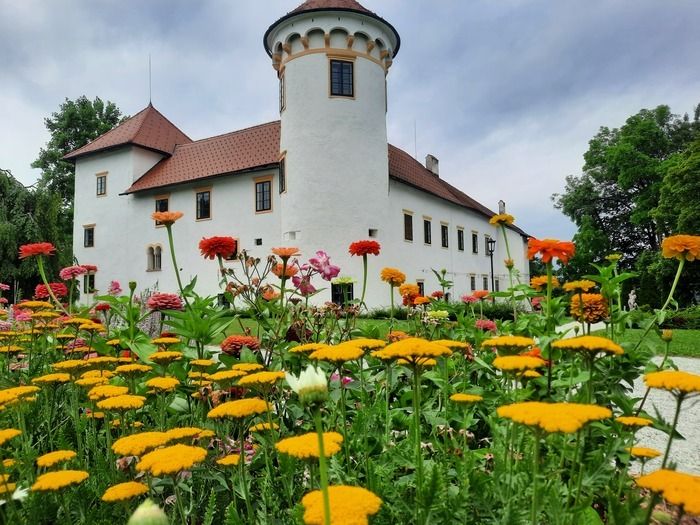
[(166, 217), (681, 247), (481, 294), (595, 307), (364, 248), (393, 276), (213, 247), (37, 248), (286, 253), (289, 271), (549, 249), (540, 281)]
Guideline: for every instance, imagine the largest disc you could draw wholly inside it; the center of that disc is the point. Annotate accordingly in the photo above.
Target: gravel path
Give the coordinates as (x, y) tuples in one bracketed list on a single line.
[(685, 453)]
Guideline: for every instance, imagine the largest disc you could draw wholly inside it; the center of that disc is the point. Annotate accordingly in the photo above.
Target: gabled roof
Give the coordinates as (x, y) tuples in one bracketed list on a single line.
[(233, 152), (258, 147), (148, 129)]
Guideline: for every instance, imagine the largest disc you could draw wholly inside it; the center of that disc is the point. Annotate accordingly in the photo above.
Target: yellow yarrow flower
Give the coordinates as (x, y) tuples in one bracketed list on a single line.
[(124, 491), (578, 286), (643, 452), (509, 343), (98, 373), (338, 353), (239, 408), (554, 417), (48, 379), (307, 348), (105, 391), (348, 506), (7, 434), (91, 381), (163, 358), (260, 427), (132, 369), (163, 384), (412, 350), (70, 364), (175, 434), (52, 458), (225, 376), (9, 395), (634, 421), (201, 363), (674, 381), (171, 460), (589, 343), (125, 402), (367, 344), (35, 305), (60, 479), (229, 461), (306, 445), (511, 363), (455, 346), (7, 488), (165, 341), (247, 367), (676, 487), (261, 379), (465, 398)]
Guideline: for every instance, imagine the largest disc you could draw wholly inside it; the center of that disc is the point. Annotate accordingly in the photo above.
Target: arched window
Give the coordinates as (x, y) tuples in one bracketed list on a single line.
[(157, 258), (150, 258)]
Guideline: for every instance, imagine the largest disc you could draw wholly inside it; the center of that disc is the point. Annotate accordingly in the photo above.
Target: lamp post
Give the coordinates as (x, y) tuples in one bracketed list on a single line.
[(490, 248)]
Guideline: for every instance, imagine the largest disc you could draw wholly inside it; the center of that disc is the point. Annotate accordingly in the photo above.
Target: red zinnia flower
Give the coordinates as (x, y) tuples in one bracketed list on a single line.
[(233, 344), (102, 307), (364, 248), (37, 248), (217, 247), (58, 289), (550, 248), (89, 268), (164, 301)]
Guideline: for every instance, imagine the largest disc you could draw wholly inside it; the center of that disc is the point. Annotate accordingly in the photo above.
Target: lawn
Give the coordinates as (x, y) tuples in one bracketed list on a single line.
[(686, 343)]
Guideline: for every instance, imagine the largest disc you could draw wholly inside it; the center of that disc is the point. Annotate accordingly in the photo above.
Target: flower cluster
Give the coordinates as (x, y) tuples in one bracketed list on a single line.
[(674, 381), (554, 417), (363, 248), (348, 506), (306, 445), (589, 343), (677, 488)]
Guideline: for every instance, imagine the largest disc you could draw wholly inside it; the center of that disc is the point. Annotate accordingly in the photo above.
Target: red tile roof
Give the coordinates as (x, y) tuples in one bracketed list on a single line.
[(229, 153), (259, 146), (315, 5), (148, 129)]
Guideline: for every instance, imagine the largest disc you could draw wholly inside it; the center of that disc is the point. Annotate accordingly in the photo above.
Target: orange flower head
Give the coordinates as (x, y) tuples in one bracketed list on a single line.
[(420, 300), (286, 253), (364, 248), (540, 282), (213, 247), (549, 249), (397, 335), (166, 218), (409, 289), (481, 294), (393, 276), (279, 270), (681, 247), (595, 307), (502, 219), (37, 248)]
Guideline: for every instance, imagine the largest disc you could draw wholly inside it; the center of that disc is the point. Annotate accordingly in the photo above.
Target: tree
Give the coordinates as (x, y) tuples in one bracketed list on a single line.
[(615, 202)]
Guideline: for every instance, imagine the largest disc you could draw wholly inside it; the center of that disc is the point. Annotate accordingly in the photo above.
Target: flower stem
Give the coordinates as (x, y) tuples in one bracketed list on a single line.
[(416, 435), (168, 228), (244, 481), (364, 280), (535, 478), (323, 469), (42, 273), (679, 401), (549, 323)]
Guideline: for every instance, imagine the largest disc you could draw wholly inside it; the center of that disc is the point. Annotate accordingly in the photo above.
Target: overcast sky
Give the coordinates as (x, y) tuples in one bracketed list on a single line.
[(505, 93)]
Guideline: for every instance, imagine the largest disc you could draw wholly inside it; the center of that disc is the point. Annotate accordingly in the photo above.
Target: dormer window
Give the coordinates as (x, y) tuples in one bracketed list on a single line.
[(342, 79)]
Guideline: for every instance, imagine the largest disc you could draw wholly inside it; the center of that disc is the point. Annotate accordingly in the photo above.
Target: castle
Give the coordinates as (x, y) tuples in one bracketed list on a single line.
[(321, 177)]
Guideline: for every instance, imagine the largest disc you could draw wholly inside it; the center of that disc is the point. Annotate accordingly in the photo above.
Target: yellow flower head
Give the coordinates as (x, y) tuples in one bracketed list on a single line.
[(60, 479), (124, 491), (261, 379), (338, 353), (678, 488), (465, 398), (125, 402), (239, 408), (502, 219), (137, 444), (306, 445), (201, 363), (518, 363), (35, 305), (307, 348), (348, 506), (70, 365), (554, 417), (539, 282), (589, 343), (176, 434), (412, 350), (455, 346), (367, 344), (509, 344), (226, 376), (165, 357), (16, 393), (165, 341), (595, 307), (393, 276), (92, 381), (260, 427), (578, 286), (53, 458), (229, 461), (105, 391), (7, 434), (633, 421), (163, 384), (681, 247), (674, 381), (48, 379), (171, 460), (247, 367), (643, 452), (133, 369)]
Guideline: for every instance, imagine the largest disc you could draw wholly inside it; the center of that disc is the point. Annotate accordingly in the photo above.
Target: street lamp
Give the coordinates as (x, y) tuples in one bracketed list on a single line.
[(490, 248)]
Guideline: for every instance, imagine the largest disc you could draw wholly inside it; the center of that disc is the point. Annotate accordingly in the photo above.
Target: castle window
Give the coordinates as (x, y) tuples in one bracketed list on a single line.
[(282, 93), (445, 234), (283, 176), (89, 236), (460, 240), (341, 78), (485, 282), (161, 205), (472, 282), (263, 195), (89, 283), (203, 205), (153, 258), (342, 293), (101, 184), (427, 231), (407, 227), (421, 287), (475, 242), (497, 286)]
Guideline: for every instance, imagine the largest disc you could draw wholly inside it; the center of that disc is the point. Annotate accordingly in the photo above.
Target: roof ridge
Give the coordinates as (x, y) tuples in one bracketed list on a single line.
[(205, 139), (151, 106)]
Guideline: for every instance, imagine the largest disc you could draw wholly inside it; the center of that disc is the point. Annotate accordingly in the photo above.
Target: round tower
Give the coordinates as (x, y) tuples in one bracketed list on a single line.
[(332, 58)]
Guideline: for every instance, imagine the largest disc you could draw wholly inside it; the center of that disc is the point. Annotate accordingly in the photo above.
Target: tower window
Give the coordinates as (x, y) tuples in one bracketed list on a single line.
[(282, 94), (342, 293), (341, 78), (283, 176), (102, 184), (89, 236), (263, 195), (485, 283), (89, 283), (203, 205)]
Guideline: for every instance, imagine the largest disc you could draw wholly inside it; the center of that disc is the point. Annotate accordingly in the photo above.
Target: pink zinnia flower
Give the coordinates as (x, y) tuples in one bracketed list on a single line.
[(322, 264), (71, 272), (3, 300), (345, 381), (164, 301), (233, 344), (22, 316), (469, 299), (304, 285), (4, 287), (58, 289), (89, 268), (114, 288), (486, 325)]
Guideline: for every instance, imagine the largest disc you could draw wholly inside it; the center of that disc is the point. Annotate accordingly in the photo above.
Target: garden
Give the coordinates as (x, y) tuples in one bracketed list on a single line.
[(165, 407)]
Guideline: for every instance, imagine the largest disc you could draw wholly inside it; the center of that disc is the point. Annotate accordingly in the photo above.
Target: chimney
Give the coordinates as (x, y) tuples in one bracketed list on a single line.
[(432, 163)]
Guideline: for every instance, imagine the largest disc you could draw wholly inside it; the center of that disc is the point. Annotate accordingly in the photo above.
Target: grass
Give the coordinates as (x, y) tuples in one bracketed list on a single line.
[(686, 343)]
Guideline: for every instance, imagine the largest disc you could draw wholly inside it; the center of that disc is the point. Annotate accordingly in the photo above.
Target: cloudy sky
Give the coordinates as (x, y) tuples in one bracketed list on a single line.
[(506, 94)]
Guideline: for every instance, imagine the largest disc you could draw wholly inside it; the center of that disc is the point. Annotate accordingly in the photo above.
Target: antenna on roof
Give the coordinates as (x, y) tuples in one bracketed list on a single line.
[(149, 79)]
